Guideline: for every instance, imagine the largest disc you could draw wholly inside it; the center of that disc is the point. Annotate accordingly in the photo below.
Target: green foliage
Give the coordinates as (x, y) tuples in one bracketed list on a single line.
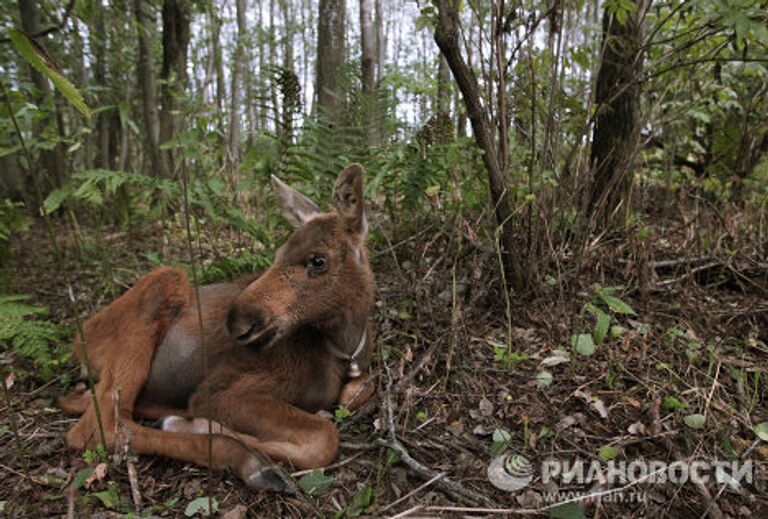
[(608, 452), (232, 267), (501, 440), (12, 220), (621, 9), (341, 413), (507, 357), (22, 329), (586, 343), (98, 187), (111, 497), (315, 483), (360, 501), (204, 506), (42, 62)]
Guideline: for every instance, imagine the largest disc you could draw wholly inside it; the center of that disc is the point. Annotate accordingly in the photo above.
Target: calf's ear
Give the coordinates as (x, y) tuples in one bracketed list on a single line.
[(296, 208), (348, 198)]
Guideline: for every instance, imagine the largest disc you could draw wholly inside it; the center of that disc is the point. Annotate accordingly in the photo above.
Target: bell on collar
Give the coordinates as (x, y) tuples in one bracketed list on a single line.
[(354, 370)]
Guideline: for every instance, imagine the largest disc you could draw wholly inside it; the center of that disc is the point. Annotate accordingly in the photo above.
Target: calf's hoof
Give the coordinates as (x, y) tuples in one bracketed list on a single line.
[(259, 475)]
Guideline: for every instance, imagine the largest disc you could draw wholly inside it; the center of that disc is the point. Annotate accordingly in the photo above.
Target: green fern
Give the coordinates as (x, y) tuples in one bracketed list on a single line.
[(23, 331), (95, 186)]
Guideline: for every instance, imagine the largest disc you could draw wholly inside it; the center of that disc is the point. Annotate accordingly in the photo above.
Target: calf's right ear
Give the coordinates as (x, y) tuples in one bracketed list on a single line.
[(348, 198), (296, 208)]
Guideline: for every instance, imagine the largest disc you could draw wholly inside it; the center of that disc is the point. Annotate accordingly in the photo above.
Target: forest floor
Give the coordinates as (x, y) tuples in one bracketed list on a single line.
[(681, 379)]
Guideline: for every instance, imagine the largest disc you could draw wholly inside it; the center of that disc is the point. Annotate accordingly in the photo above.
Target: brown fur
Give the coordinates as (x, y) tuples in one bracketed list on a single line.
[(266, 361)]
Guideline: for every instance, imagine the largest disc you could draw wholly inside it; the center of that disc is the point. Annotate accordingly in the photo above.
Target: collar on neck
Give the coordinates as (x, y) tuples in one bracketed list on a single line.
[(354, 367)]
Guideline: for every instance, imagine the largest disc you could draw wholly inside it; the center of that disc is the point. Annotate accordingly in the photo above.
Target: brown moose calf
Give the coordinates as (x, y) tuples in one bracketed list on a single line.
[(273, 350)]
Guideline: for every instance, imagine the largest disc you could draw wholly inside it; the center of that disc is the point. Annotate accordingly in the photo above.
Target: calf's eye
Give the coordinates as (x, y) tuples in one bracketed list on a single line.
[(318, 261)]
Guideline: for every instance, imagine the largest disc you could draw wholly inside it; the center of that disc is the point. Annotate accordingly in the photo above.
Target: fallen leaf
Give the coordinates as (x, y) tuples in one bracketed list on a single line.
[(238, 512), (486, 407), (481, 431), (456, 428), (695, 421), (97, 475), (637, 428), (761, 430), (558, 357), (599, 406)]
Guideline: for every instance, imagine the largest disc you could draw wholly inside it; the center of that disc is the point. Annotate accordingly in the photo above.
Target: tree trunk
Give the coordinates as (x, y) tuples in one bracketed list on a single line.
[(274, 87), (148, 87), (381, 44), (367, 40), (443, 87), (85, 159), (368, 70), (174, 71), (330, 57), (290, 88), (52, 161), (447, 39), (98, 35), (218, 59), (617, 125), (237, 71)]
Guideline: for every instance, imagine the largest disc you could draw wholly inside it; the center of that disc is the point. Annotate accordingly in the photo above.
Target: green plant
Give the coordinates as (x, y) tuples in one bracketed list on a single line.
[(508, 358), (603, 303), (12, 220), (23, 330), (341, 413)]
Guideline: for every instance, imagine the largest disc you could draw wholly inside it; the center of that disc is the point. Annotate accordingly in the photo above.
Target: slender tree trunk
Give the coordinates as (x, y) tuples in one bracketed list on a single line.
[(447, 39), (98, 41), (274, 87), (290, 88), (617, 126), (381, 44), (443, 86), (52, 161), (237, 71), (368, 69), (368, 44), (218, 59), (306, 23), (81, 78), (330, 56), (174, 71), (148, 88)]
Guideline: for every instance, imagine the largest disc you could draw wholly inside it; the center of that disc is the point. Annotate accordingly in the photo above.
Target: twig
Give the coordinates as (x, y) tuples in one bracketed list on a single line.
[(668, 282), (670, 262), (412, 492), (133, 480), (454, 489), (329, 467)]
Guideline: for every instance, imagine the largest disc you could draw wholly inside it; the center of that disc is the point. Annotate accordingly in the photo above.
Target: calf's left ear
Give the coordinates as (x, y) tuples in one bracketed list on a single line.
[(348, 198)]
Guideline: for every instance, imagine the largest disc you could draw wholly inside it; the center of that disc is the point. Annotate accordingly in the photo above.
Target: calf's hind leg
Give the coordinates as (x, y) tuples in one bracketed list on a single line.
[(121, 340)]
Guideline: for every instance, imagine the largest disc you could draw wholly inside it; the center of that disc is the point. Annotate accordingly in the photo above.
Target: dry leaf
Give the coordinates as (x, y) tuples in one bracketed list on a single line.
[(97, 475), (637, 428), (238, 512)]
